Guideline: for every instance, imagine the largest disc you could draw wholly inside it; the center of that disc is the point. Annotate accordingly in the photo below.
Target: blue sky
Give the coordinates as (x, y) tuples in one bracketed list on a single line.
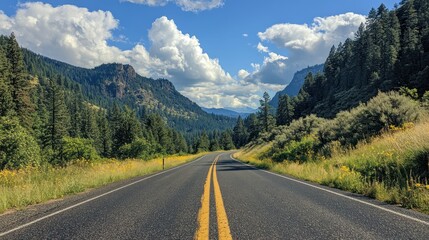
[(219, 53)]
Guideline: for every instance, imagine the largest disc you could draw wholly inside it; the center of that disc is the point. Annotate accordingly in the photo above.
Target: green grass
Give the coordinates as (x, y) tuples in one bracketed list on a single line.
[(392, 168), (30, 185)]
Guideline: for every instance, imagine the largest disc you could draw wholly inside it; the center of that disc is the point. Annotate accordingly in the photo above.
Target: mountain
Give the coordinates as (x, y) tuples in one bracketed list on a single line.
[(242, 109), (292, 89), (113, 83), (225, 112)]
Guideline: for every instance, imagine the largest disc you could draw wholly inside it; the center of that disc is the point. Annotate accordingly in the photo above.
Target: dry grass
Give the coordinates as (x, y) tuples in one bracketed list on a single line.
[(35, 185), (379, 169), (254, 156)]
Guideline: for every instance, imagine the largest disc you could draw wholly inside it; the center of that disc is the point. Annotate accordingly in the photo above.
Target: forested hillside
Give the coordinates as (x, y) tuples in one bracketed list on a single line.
[(390, 51), (118, 83)]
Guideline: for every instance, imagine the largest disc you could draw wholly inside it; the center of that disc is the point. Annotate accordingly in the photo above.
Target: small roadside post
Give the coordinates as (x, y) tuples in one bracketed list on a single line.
[(163, 163)]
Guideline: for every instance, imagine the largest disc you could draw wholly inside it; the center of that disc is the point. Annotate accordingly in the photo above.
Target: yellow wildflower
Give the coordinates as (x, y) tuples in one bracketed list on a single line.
[(345, 168), (408, 125)]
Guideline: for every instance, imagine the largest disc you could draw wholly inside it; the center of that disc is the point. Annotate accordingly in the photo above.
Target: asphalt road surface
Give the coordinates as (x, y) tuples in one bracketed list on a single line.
[(215, 197)]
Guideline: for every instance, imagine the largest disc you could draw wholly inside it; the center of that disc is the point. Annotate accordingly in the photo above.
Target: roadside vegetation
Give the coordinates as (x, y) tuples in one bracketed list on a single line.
[(32, 185), (379, 149)]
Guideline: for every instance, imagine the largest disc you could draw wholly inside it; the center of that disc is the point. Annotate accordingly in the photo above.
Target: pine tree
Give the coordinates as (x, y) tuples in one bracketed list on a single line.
[(105, 135), (58, 121), (409, 60), (115, 122), (226, 142), (76, 116), (359, 59), (179, 143), (89, 126), (6, 100), (239, 133), (265, 116), (390, 50), (253, 126), (130, 127), (160, 132), (214, 144), (20, 88), (285, 110), (203, 143), (42, 115)]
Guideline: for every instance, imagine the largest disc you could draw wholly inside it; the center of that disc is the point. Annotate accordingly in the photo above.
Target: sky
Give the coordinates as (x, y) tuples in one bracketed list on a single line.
[(218, 53)]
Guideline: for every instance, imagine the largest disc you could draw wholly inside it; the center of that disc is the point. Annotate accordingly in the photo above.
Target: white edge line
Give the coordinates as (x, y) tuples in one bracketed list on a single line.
[(336, 193), (94, 198)]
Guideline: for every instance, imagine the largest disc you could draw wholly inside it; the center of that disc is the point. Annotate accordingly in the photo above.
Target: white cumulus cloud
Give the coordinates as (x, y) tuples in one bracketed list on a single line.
[(80, 37), (185, 5), (262, 48), (69, 33), (323, 31), (242, 74), (182, 56), (306, 44)]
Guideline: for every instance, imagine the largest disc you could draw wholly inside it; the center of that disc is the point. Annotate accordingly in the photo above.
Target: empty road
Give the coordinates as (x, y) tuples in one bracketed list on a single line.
[(215, 197)]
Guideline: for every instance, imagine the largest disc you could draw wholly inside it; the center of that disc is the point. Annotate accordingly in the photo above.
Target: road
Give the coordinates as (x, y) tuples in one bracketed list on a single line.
[(215, 197)]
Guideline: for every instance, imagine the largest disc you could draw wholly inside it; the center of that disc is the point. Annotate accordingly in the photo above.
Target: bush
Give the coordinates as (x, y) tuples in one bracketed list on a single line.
[(139, 148), (17, 147), (297, 130), (386, 110), (383, 112), (77, 148), (301, 151)]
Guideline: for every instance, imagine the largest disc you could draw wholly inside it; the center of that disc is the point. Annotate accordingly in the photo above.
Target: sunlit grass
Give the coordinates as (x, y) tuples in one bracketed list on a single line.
[(30, 185), (379, 169)]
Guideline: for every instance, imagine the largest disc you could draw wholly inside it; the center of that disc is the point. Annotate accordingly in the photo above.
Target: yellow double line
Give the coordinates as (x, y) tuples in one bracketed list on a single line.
[(204, 212)]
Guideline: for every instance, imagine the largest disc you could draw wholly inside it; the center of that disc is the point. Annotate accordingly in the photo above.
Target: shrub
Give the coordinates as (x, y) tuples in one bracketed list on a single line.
[(340, 129), (139, 148), (301, 151), (297, 130), (383, 112), (77, 148), (17, 147)]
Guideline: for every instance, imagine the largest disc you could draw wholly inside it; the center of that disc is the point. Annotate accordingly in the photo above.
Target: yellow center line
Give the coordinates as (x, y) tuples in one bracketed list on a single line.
[(222, 219), (204, 213)]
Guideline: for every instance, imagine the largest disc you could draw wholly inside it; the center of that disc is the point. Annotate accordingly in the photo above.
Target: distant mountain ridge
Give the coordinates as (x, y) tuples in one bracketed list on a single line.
[(119, 83), (225, 112), (292, 89)]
